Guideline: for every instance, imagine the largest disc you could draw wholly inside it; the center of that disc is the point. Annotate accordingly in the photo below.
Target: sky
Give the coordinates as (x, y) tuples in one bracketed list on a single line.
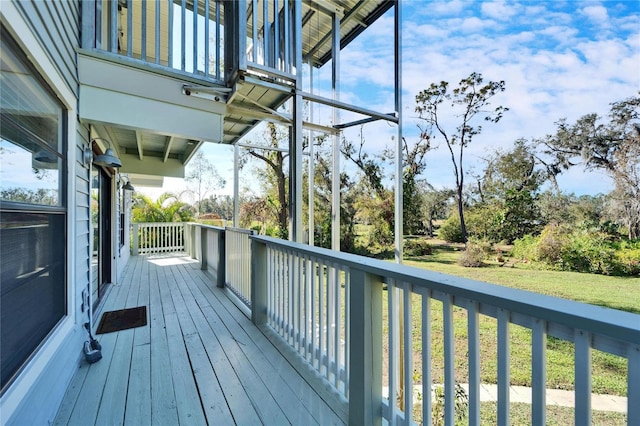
[(559, 59)]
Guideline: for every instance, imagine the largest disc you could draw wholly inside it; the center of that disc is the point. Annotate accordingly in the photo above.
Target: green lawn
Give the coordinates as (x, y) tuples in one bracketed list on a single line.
[(608, 371)]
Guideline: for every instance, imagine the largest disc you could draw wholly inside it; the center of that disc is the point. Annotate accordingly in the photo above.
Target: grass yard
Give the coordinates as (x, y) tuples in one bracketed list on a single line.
[(609, 372)]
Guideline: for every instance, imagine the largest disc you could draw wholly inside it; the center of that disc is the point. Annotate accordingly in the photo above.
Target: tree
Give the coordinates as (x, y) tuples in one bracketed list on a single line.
[(274, 179), (203, 177), (435, 205), (509, 188), (613, 147), (468, 102), (167, 208)]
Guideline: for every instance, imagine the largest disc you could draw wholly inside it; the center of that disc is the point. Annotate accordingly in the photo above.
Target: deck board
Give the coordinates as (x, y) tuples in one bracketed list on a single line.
[(198, 361)]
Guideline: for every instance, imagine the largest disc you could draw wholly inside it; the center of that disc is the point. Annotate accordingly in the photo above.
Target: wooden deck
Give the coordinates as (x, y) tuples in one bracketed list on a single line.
[(198, 361)]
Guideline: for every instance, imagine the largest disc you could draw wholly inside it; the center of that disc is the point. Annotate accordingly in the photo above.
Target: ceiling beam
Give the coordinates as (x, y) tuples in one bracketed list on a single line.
[(167, 148), (140, 147)]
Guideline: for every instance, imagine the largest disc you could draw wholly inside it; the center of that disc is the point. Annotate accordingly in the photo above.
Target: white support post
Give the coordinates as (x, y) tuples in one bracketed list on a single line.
[(365, 352), (236, 187), (398, 105), (136, 243), (335, 172)]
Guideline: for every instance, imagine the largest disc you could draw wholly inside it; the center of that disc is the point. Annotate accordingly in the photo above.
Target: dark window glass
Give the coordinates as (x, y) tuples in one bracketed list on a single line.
[(33, 234)]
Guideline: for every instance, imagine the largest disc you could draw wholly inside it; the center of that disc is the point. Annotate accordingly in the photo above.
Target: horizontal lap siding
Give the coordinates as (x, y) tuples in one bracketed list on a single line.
[(56, 27)]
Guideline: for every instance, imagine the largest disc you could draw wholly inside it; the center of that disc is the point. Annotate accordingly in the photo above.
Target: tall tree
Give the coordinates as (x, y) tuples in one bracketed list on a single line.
[(469, 102), (275, 178), (613, 147), (202, 177)]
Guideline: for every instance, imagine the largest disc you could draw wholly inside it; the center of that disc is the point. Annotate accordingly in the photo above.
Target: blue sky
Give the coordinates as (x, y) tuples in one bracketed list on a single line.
[(559, 59)]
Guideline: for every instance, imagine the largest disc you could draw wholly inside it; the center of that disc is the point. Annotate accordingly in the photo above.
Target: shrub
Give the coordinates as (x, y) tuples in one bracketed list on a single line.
[(450, 230), (525, 248), (417, 247), (551, 243), (472, 256)]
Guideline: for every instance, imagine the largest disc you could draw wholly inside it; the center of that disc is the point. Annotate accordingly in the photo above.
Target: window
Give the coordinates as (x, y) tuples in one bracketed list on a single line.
[(32, 210)]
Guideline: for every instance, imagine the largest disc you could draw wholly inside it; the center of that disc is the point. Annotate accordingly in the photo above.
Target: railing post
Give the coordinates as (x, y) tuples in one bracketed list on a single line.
[(258, 282), (221, 259), (365, 356), (203, 248), (136, 242)]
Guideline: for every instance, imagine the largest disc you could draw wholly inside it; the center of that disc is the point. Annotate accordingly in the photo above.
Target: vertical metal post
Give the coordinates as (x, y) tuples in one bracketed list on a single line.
[(335, 173), (539, 373), (312, 171), (295, 148), (236, 186), (398, 105)]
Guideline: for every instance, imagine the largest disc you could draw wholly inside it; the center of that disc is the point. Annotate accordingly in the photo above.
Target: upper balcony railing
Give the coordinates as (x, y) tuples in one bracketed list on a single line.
[(206, 39)]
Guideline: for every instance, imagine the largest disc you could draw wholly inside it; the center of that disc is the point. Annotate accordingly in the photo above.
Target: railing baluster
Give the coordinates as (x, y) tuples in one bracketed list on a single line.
[(449, 364), (392, 308), (583, 377), (426, 358), (321, 321), (503, 367), (145, 29), (539, 373), (337, 326), (130, 28), (183, 35), (474, 363), (218, 39), (195, 36), (158, 32), (408, 353), (207, 61), (633, 385), (170, 33), (113, 25), (314, 312)]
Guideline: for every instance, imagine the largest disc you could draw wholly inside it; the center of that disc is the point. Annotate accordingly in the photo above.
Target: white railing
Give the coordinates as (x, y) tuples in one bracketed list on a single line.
[(238, 263), (163, 34), (328, 308), (158, 237)]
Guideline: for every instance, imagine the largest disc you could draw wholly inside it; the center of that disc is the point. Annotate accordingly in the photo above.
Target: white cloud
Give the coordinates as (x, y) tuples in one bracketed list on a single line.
[(498, 10), (597, 14)]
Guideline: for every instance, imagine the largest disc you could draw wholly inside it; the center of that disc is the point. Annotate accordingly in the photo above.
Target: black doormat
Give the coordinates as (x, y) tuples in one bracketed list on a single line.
[(123, 319)]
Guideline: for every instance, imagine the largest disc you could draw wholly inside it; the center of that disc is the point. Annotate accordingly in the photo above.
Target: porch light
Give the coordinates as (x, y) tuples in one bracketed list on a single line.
[(128, 187), (108, 159)]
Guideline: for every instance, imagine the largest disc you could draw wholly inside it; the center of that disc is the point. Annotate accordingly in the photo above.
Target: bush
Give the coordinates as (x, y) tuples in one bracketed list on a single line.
[(417, 247), (450, 230), (472, 256), (551, 243), (525, 248)]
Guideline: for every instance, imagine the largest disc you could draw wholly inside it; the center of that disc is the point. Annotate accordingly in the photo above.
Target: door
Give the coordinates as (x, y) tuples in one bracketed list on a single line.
[(101, 226)]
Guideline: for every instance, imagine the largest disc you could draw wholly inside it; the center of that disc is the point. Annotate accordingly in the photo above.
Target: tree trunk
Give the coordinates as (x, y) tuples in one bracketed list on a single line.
[(463, 226)]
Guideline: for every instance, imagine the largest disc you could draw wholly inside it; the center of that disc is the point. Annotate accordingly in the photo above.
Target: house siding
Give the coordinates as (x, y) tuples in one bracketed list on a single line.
[(50, 33)]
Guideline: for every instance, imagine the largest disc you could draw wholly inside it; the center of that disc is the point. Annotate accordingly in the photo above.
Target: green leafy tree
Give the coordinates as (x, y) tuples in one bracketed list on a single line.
[(613, 147), (167, 208), (274, 177), (469, 101), (508, 193)]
